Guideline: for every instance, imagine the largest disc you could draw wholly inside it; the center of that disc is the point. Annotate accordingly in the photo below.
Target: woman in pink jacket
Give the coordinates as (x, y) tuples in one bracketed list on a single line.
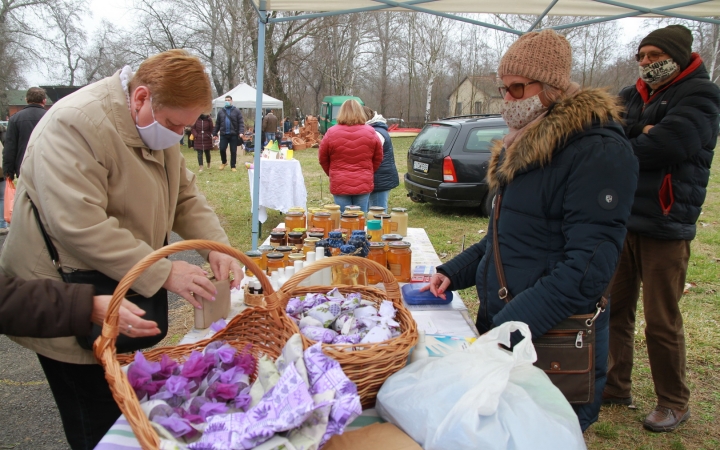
[(350, 153)]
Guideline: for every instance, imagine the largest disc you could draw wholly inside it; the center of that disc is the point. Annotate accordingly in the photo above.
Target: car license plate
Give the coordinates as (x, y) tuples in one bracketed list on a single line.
[(421, 166)]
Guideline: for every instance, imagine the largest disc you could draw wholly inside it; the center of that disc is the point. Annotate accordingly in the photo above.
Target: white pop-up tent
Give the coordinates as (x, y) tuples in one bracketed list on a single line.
[(245, 96)]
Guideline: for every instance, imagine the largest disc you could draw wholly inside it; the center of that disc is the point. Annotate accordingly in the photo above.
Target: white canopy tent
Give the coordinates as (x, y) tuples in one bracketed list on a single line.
[(245, 96), (598, 10)]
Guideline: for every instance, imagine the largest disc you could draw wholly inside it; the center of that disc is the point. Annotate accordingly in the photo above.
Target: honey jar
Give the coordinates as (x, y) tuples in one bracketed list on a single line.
[(351, 221), (256, 256), (322, 219), (377, 254), (265, 249), (274, 261), (388, 238), (344, 232), (357, 210), (375, 210), (399, 221), (295, 238), (386, 225), (309, 244), (334, 211), (278, 238), (399, 258), (374, 228), (294, 219), (316, 233), (286, 250), (296, 257)]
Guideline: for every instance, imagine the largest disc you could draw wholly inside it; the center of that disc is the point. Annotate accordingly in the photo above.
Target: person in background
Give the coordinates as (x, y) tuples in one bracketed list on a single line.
[(386, 178), (287, 126), (230, 126), (564, 178), (3, 224), (350, 153), (108, 193), (203, 143), (49, 308), (20, 127), (269, 126), (672, 121)]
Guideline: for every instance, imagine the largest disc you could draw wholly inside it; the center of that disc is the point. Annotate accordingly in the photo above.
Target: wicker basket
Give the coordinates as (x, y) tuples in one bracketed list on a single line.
[(267, 329), (367, 365), (298, 144)]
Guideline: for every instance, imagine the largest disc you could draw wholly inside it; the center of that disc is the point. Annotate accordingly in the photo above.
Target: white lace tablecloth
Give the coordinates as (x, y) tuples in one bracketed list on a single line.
[(282, 186)]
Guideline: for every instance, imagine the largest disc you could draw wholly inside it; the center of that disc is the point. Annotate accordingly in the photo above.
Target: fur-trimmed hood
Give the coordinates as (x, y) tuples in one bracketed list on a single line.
[(536, 145)]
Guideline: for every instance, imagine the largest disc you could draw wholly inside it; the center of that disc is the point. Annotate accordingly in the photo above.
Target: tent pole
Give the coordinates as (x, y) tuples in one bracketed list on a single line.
[(257, 140)]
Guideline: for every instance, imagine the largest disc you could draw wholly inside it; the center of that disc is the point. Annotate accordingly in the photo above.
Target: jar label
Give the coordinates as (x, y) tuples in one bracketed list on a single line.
[(393, 226), (396, 269)]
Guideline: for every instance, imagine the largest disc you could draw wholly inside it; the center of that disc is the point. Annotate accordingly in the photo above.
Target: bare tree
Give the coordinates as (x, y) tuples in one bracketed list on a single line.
[(66, 37)]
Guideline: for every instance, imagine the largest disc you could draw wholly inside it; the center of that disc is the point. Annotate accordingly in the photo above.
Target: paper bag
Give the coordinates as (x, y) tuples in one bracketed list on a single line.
[(384, 436), (214, 310)]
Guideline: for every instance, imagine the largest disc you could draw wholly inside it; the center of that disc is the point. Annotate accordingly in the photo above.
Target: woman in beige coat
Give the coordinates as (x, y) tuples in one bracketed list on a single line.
[(104, 169)]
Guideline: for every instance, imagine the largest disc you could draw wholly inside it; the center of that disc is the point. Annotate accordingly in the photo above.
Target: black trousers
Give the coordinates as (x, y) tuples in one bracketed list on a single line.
[(83, 396), (232, 140), (200, 157)]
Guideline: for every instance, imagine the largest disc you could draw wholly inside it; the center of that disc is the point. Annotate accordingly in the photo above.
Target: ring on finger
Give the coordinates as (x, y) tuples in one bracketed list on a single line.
[(129, 329), (192, 294)]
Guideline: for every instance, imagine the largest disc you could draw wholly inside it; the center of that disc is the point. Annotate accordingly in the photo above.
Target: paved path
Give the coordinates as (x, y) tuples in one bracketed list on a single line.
[(29, 419)]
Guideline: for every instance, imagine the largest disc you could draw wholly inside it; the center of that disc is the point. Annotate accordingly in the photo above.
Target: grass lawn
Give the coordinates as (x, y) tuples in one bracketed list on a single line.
[(618, 427)]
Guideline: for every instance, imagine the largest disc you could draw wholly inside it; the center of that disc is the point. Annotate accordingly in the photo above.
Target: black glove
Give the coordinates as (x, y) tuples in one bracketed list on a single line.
[(240, 140)]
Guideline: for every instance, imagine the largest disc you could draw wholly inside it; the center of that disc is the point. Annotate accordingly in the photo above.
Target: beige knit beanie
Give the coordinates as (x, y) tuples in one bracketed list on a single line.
[(544, 56)]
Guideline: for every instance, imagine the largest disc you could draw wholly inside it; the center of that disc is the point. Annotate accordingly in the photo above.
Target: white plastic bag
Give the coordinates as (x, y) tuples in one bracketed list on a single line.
[(484, 397)]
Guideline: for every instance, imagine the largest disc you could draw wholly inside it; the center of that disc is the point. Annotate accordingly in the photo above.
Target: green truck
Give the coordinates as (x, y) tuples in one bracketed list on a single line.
[(329, 109)]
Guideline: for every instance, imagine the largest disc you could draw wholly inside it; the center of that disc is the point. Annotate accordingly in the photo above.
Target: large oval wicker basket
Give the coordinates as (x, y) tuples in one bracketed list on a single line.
[(367, 365), (267, 329)]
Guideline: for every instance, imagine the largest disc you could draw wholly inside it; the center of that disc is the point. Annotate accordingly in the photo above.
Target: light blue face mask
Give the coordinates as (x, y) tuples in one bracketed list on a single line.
[(228, 104), (156, 136)]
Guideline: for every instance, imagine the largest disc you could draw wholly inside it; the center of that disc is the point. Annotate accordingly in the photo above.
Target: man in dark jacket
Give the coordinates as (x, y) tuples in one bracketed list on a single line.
[(49, 308), (269, 126), (20, 127), (672, 122), (230, 126), (386, 177)]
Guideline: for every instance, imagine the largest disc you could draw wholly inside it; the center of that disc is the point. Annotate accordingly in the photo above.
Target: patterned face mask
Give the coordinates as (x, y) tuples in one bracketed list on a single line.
[(658, 71), (518, 113)]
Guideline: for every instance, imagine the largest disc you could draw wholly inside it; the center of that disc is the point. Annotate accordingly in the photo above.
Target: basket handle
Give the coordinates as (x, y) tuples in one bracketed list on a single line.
[(391, 285)]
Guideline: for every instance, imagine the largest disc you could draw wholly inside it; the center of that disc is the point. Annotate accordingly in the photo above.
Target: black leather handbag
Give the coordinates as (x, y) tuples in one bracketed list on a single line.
[(155, 307)]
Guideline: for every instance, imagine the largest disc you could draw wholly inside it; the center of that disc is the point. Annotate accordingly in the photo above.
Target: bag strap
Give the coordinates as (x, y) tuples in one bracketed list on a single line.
[(503, 292), (54, 256)]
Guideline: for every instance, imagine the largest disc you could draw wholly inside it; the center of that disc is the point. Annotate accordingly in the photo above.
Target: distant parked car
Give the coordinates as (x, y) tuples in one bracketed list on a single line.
[(447, 162)]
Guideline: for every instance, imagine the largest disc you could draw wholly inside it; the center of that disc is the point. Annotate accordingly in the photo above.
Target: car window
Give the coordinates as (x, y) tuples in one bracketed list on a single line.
[(433, 139), (335, 111), (480, 139)]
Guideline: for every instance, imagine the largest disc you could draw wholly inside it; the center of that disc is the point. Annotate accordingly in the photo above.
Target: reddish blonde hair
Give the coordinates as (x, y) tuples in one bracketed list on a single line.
[(351, 113), (176, 79)]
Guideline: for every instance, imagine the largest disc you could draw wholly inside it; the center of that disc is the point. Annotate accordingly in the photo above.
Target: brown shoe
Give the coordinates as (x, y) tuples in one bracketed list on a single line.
[(234, 169), (665, 419), (222, 166), (608, 399)]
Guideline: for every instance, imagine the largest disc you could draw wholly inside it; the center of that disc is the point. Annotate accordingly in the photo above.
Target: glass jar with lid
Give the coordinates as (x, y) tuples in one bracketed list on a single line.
[(375, 210), (278, 238), (311, 215), (265, 249), (344, 232), (321, 219), (388, 238), (357, 210), (377, 254), (294, 219), (316, 233), (275, 260), (348, 273), (295, 238), (399, 257), (386, 225), (256, 256), (374, 229), (350, 220), (286, 250), (399, 220), (296, 257), (309, 244), (334, 211)]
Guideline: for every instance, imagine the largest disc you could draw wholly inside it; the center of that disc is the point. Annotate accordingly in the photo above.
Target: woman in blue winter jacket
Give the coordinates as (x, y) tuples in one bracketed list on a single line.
[(564, 179)]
